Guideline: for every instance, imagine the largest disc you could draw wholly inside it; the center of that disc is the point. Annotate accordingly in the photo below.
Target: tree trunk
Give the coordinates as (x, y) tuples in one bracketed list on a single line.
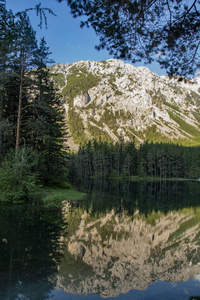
[(20, 104)]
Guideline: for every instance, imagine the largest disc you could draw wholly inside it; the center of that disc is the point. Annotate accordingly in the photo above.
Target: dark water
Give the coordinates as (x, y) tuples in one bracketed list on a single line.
[(123, 241)]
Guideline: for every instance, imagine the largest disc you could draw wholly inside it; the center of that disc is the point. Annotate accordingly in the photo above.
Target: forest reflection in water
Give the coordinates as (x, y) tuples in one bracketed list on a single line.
[(123, 240)]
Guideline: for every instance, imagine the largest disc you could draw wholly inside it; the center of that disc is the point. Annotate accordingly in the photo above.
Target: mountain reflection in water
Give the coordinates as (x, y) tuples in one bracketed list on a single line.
[(130, 241)]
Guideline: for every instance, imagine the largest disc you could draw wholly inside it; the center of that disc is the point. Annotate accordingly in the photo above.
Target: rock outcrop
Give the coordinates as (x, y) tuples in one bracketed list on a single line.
[(118, 99)]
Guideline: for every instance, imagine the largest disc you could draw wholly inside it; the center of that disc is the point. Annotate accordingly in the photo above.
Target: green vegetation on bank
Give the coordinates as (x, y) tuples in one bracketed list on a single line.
[(158, 179), (52, 197)]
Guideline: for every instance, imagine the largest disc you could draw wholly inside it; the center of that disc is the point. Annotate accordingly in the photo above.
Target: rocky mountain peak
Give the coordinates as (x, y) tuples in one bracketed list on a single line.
[(112, 99)]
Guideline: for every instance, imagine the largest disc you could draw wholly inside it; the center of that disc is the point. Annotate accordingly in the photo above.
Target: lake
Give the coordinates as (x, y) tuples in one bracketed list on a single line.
[(122, 241)]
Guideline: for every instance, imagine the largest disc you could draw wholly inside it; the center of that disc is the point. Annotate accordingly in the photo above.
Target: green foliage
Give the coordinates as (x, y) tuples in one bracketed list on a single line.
[(62, 184), (176, 38), (109, 118), (79, 82), (175, 107), (153, 134), (59, 79), (194, 171), (183, 125), (18, 179), (101, 159), (31, 113), (197, 116), (122, 115), (157, 161), (52, 197), (153, 217), (99, 134), (76, 127)]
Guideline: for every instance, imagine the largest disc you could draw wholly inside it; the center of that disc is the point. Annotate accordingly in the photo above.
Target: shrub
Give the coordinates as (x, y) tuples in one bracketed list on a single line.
[(18, 177)]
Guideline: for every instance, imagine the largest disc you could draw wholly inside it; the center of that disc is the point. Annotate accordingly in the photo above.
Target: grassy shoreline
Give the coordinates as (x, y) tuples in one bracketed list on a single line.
[(52, 197), (149, 178)]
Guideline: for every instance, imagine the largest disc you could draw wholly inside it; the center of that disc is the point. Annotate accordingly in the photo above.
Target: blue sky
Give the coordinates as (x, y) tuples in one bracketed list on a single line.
[(67, 41)]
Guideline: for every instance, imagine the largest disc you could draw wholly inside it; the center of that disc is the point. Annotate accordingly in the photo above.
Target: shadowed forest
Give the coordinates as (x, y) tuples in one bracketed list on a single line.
[(158, 161)]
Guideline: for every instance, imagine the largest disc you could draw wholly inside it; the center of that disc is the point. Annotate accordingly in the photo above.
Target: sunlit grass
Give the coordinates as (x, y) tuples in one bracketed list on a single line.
[(53, 196)]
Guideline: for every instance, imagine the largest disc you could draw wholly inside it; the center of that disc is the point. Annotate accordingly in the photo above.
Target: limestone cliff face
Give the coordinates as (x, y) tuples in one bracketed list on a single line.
[(130, 253), (114, 99)]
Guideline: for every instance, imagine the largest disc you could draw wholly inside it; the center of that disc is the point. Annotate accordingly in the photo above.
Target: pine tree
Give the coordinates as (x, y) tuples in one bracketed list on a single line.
[(194, 171), (142, 159), (25, 47), (44, 118), (32, 114), (7, 29), (130, 154), (151, 160)]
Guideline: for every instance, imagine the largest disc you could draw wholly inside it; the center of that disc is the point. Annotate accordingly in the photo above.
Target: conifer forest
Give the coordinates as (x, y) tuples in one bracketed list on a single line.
[(33, 131), (148, 161), (32, 128)]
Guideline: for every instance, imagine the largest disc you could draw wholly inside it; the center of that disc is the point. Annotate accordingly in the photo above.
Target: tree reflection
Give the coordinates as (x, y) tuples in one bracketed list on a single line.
[(29, 250), (143, 196)]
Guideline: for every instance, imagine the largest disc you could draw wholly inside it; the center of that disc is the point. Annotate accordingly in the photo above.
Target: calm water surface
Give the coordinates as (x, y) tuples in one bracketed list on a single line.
[(123, 241)]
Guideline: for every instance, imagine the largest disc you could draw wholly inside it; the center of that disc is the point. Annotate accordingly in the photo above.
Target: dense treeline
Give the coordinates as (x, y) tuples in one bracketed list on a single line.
[(31, 115), (101, 159)]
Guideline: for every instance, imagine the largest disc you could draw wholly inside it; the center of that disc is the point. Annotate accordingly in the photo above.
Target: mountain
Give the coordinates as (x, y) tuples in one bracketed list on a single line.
[(111, 99), (115, 253)]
